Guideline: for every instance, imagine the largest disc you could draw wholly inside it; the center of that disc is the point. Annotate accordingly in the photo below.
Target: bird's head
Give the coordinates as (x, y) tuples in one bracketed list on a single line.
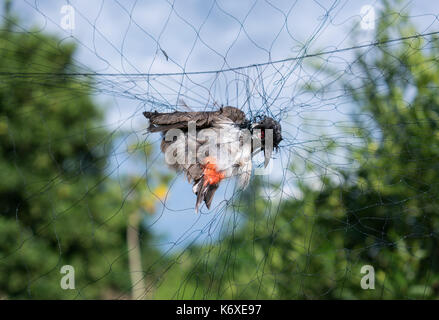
[(270, 135), (266, 124)]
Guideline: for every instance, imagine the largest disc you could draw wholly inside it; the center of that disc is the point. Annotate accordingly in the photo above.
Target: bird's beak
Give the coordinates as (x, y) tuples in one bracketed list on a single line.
[(267, 156), (268, 146), (267, 159)]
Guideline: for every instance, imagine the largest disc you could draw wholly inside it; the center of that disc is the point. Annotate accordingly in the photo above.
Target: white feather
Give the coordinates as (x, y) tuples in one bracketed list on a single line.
[(230, 146)]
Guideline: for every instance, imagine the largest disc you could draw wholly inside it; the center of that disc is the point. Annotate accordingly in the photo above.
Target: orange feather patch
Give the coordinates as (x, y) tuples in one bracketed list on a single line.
[(211, 175)]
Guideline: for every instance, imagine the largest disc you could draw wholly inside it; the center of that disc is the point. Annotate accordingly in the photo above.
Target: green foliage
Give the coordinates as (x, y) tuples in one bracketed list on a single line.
[(384, 214), (58, 205)]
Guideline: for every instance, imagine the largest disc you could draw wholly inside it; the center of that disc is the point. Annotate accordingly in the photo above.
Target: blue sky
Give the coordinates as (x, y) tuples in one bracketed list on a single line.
[(163, 37)]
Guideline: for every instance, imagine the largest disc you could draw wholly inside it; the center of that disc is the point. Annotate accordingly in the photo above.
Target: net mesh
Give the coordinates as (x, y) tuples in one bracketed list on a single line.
[(353, 183)]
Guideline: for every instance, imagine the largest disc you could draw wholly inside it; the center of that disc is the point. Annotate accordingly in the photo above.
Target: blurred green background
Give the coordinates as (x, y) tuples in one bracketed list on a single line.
[(56, 195)]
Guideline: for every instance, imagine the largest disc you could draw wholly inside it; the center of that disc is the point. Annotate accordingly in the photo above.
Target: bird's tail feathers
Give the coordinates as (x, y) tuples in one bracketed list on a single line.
[(204, 191)]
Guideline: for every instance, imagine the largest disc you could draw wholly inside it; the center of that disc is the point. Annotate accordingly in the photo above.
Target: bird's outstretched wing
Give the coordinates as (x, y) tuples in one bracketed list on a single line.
[(179, 120)]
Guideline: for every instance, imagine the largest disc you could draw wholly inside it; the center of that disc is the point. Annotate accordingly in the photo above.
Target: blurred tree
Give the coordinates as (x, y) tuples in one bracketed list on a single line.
[(384, 214), (58, 205)]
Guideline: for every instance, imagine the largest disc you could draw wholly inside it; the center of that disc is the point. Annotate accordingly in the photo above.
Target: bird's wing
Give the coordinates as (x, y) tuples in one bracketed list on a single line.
[(179, 120)]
